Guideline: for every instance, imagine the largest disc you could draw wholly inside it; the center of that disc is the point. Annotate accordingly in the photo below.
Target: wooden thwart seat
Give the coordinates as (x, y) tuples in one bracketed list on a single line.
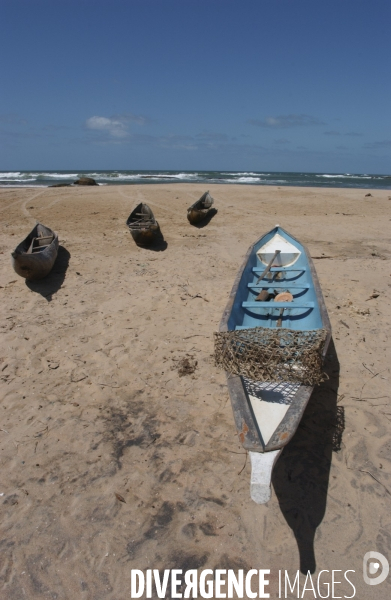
[(279, 285), (140, 223), (40, 243), (257, 270), (39, 248), (42, 238), (277, 305)]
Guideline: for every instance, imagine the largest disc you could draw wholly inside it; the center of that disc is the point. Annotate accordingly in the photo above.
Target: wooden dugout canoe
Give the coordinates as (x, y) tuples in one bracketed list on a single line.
[(35, 256), (142, 225), (267, 413), (200, 209)]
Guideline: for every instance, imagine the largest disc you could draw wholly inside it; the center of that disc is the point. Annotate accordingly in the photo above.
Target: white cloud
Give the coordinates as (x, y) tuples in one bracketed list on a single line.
[(113, 126), (117, 126)]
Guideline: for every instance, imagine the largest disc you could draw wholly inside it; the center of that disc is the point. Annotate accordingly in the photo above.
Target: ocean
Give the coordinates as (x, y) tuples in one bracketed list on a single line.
[(329, 180)]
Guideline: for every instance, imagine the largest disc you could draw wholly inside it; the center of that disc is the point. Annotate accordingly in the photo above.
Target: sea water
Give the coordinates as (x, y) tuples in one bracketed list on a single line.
[(123, 177)]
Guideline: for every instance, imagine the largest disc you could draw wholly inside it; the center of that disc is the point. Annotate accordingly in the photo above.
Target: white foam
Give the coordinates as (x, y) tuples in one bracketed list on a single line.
[(21, 180), (172, 176), (248, 179), (119, 176), (244, 173), (10, 175), (56, 175), (346, 175)]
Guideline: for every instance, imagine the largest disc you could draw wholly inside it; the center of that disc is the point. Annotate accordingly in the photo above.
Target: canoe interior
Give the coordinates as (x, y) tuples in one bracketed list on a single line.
[(204, 203), (143, 226), (267, 414), (303, 313), (142, 215), (37, 240)]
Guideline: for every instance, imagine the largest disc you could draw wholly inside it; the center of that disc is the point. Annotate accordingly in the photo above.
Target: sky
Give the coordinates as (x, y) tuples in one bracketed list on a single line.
[(244, 85)]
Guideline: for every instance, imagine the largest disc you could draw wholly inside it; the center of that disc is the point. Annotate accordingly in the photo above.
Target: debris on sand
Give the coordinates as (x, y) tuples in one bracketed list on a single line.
[(186, 365)]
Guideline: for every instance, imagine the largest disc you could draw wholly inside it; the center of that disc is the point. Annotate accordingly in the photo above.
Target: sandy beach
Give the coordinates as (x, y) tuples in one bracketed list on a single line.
[(112, 460)]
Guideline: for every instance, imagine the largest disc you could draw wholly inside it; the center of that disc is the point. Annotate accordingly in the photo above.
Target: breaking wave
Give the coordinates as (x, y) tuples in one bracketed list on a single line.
[(131, 177)]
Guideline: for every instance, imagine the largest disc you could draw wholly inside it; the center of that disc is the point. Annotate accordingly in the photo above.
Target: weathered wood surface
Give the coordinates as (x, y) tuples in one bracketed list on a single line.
[(199, 210), (35, 256), (143, 226)]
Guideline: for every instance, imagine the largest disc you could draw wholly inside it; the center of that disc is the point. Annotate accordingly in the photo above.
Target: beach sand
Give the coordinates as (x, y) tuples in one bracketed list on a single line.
[(93, 407)]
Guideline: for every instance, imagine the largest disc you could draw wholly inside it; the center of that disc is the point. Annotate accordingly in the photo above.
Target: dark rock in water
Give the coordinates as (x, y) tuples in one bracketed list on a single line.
[(368, 195), (86, 181), (61, 185)]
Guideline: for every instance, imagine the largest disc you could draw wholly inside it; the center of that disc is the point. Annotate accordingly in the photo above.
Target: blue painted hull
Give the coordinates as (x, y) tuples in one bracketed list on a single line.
[(301, 314)]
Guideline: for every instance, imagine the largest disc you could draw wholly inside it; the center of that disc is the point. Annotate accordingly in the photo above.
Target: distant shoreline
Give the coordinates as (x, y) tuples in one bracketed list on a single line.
[(43, 179)]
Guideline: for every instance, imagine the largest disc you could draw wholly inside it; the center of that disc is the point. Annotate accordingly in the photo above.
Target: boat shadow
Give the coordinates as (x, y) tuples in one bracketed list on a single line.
[(159, 244), (211, 213), (301, 475), (50, 284)]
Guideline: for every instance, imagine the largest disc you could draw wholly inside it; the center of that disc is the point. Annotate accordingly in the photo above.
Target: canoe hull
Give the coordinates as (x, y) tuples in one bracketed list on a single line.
[(245, 422), (143, 226), (196, 216), (33, 266), (295, 397), (198, 211), (145, 236)]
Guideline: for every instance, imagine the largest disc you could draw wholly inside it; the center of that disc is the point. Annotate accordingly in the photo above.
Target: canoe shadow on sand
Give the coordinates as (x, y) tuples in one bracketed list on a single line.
[(159, 244), (301, 475), (211, 213), (50, 284)]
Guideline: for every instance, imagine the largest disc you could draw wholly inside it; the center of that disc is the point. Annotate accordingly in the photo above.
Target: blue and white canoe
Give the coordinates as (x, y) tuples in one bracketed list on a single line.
[(267, 414)]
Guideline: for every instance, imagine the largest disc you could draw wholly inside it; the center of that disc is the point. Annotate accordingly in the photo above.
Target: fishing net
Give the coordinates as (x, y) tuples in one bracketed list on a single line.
[(272, 354)]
